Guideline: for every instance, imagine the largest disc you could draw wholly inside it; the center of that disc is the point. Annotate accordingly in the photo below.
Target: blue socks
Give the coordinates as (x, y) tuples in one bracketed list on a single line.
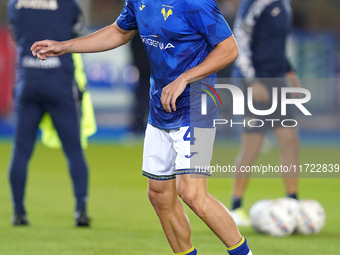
[(292, 195), (237, 202), (241, 248)]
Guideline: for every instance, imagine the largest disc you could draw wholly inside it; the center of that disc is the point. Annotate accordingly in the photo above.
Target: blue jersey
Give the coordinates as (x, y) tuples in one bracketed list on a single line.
[(177, 35), (33, 21), (261, 29)]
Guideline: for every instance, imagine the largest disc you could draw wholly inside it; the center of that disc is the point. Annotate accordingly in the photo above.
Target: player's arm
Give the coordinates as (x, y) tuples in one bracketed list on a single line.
[(292, 78), (105, 39), (224, 53), (291, 75), (294, 81)]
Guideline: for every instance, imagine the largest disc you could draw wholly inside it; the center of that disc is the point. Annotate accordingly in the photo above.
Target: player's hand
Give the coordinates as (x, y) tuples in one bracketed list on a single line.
[(47, 48), (260, 92), (171, 92), (294, 82)]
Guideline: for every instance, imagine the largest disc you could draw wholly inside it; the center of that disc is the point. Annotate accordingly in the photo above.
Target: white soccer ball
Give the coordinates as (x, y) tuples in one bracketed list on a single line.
[(255, 213), (311, 217), (291, 204), (273, 217)]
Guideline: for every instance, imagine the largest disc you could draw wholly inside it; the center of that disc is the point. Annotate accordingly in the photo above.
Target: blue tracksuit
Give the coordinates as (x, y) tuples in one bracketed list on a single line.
[(261, 29), (46, 86)]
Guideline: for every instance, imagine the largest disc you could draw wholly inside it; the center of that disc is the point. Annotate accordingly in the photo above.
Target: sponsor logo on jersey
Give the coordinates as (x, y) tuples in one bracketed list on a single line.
[(30, 62), (154, 42), (168, 46), (166, 11), (51, 5), (141, 7)]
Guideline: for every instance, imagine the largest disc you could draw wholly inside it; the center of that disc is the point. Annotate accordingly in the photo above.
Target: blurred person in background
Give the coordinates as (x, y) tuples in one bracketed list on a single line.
[(141, 108), (46, 86), (228, 9), (261, 29)]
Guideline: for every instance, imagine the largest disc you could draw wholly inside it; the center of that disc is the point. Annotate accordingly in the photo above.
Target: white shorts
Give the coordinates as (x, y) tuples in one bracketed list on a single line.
[(170, 152)]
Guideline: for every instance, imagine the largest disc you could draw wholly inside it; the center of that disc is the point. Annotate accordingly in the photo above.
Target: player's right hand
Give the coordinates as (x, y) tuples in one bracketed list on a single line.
[(260, 92), (47, 48), (172, 91)]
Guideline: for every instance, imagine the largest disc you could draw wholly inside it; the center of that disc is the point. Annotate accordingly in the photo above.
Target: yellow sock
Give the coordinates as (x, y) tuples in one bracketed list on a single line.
[(185, 252)]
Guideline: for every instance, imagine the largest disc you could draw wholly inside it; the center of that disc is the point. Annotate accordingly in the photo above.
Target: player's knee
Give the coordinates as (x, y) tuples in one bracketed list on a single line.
[(246, 157), (250, 151), (195, 201), (160, 200)]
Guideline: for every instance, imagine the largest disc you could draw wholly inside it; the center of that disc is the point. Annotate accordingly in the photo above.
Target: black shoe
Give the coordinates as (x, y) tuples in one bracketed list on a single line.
[(82, 219), (19, 220)]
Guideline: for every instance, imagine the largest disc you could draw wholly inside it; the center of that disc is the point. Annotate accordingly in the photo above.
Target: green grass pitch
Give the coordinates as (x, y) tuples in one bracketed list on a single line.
[(123, 219)]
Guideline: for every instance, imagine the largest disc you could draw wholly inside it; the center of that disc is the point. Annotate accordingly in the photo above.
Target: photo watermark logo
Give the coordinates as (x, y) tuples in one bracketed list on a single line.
[(239, 105)]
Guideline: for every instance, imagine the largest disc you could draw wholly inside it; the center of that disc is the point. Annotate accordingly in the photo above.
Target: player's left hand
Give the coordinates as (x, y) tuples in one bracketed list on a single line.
[(47, 48), (171, 92)]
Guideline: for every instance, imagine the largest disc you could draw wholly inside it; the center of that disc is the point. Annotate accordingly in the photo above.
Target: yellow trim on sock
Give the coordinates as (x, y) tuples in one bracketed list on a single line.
[(236, 245), (185, 252)]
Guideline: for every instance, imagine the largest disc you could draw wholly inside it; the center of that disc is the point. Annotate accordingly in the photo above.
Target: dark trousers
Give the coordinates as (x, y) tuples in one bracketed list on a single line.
[(58, 95)]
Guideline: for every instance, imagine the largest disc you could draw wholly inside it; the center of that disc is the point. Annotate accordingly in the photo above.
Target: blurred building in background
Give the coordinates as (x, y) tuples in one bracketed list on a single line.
[(113, 79)]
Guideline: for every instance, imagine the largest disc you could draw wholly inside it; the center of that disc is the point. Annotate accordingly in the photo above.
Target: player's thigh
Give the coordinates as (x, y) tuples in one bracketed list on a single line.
[(251, 142), (158, 154), (164, 188), (162, 194), (287, 137)]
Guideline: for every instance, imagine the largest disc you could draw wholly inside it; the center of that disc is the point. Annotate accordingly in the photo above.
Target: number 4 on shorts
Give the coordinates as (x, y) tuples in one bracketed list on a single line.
[(189, 136)]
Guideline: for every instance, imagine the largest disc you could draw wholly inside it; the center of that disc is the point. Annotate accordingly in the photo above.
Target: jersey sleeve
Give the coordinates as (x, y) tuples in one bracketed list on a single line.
[(247, 17), (11, 18), (10, 13), (244, 28), (205, 17), (127, 18)]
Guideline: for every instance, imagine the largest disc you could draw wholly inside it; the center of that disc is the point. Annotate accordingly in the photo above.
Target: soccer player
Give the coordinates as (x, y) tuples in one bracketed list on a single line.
[(184, 41), (46, 86), (261, 29)]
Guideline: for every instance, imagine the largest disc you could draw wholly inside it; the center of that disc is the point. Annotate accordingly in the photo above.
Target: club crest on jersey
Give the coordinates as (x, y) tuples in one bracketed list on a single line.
[(166, 13)]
